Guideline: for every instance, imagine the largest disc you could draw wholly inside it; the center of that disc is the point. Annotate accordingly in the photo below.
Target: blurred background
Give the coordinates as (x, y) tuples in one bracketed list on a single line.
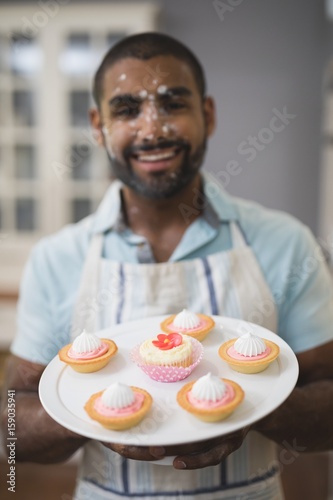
[(268, 65)]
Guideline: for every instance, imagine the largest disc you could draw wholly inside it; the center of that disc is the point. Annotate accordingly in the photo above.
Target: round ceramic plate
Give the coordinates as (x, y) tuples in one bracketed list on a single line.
[(64, 392)]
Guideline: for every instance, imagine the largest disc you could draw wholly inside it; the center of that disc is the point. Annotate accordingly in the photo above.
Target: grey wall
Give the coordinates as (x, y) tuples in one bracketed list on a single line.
[(264, 55)]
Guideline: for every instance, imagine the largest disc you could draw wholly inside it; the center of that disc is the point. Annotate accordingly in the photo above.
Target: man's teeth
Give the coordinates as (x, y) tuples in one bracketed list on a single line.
[(157, 157)]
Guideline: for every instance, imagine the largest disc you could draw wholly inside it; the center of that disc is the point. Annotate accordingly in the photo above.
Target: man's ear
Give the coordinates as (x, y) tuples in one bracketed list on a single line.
[(209, 115), (96, 125)]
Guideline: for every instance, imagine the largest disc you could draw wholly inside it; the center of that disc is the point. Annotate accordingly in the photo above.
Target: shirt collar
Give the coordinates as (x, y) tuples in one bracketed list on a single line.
[(220, 206), (109, 212), (219, 201)]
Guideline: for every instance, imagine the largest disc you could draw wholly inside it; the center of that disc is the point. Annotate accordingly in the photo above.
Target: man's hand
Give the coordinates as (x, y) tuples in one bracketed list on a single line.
[(190, 456), (40, 439), (210, 452)]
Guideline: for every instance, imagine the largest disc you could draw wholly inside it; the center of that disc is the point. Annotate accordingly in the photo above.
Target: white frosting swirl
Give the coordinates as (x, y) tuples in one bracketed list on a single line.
[(186, 319), (118, 396), (208, 388), (250, 345), (86, 342)]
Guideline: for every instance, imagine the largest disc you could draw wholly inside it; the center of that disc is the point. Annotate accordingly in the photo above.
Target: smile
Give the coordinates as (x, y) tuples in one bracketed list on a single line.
[(153, 157)]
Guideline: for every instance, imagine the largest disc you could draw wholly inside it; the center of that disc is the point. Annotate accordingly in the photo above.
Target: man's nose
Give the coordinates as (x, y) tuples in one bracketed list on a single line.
[(151, 123)]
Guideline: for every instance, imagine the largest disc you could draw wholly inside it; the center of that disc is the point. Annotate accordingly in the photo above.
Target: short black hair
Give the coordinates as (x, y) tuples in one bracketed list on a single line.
[(144, 46)]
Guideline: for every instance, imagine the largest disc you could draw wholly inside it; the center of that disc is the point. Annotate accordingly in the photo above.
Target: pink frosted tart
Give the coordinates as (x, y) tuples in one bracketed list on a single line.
[(119, 407), (88, 353), (249, 353), (188, 323), (210, 398)]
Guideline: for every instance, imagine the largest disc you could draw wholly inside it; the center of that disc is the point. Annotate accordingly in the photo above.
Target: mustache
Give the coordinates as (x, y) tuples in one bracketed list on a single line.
[(163, 144)]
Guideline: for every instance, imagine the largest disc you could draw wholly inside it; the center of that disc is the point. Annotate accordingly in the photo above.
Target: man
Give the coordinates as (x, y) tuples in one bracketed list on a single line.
[(171, 238)]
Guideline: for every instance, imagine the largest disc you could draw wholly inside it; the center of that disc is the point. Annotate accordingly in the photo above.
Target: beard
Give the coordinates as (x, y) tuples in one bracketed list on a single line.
[(160, 185)]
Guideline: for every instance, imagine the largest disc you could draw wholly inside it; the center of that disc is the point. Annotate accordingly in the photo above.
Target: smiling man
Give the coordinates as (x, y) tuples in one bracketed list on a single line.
[(156, 138), (227, 257)]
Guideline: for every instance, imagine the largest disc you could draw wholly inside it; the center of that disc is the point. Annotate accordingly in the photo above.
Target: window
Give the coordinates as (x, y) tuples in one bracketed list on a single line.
[(51, 172)]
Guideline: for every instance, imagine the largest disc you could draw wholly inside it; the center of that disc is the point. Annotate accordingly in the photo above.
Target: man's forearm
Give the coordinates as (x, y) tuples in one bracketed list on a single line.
[(39, 438), (304, 419)]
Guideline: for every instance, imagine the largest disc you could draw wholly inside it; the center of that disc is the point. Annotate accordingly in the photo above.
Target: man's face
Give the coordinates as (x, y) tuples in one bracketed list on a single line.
[(153, 124)]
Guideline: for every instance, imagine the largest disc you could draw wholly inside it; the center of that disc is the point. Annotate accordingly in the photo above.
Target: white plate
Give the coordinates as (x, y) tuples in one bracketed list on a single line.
[(64, 392)]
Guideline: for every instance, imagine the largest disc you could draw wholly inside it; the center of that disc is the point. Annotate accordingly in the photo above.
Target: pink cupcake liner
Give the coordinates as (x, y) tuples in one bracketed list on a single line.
[(168, 373)]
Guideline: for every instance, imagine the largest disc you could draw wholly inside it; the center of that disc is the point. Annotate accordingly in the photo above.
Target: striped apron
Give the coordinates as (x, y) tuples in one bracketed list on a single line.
[(228, 283)]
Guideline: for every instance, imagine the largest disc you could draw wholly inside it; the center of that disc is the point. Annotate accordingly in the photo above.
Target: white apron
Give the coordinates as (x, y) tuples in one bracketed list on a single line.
[(228, 283)]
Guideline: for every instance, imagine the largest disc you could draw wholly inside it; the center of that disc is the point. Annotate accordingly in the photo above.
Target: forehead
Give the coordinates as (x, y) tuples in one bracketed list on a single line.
[(132, 75)]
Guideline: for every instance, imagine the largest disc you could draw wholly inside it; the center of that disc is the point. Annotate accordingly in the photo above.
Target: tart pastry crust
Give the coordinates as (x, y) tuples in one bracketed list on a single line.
[(197, 333), (89, 365), (119, 423), (212, 414), (247, 365)]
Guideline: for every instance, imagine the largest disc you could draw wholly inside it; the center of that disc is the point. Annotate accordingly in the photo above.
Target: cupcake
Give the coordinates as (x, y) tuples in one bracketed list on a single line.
[(210, 398), (88, 353), (195, 325), (168, 357), (171, 349), (119, 406), (249, 353)]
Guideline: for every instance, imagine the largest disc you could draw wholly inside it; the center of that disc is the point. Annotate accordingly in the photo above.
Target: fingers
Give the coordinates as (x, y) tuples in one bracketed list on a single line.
[(133, 452), (185, 449), (212, 452), (137, 452), (191, 456), (206, 458)]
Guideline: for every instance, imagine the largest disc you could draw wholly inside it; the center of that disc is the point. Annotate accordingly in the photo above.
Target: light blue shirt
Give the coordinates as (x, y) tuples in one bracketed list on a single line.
[(288, 255)]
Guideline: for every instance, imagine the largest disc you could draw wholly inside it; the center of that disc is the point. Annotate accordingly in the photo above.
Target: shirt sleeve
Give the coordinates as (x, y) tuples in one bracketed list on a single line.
[(306, 309), (36, 339)]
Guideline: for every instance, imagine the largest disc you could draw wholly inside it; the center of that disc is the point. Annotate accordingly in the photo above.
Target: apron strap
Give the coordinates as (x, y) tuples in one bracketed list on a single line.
[(85, 314)]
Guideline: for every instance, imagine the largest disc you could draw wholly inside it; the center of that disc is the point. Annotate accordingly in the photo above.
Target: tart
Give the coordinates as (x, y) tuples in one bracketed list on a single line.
[(88, 353), (210, 398), (119, 407), (249, 353), (195, 325)]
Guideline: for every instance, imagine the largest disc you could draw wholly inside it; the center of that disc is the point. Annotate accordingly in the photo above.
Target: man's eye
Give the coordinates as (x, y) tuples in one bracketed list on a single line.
[(174, 105), (126, 111)]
